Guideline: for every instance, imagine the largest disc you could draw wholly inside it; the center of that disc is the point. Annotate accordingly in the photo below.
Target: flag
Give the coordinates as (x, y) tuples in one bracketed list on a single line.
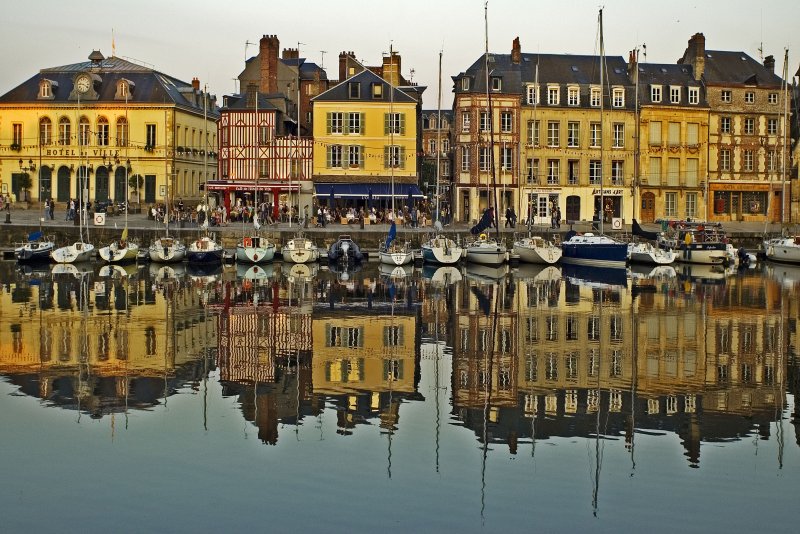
[(125, 234)]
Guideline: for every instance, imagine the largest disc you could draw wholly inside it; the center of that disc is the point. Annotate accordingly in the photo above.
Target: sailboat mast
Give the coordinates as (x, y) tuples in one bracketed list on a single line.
[(392, 125), (602, 129), (491, 123), (205, 140), (438, 134), (785, 76)]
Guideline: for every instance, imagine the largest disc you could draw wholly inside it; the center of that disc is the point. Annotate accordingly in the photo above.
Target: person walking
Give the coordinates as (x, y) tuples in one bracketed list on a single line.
[(52, 210), (558, 217)]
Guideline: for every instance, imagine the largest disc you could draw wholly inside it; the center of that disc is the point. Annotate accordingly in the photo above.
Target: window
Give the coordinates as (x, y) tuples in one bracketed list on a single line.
[(772, 126), (593, 328), (507, 158), (445, 167), (726, 96), (694, 95), (573, 96), (377, 91), (122, 131), (617, 168), (394, 157), (354, 90), (595, 172), (594, 97), (725, 125), (354, 123), (465, 120), (618, 97), (749, 126), (497, 84), (465, 84), (747, 160), (355, 156), (655, 93), (150, 135), (395, 123), (594, 135), (465, 159), (573, 134), (83, 131), (505, 121), (263, 167), (671, 204), (102, 131), (533, 133), (45, 131), (675, 95), (553, 171), (692, 134), (533, 171), (483, 158), (334, 155), (432, 146), (772, 159), (692, 171), (64, 131), (619, 135), (532, 94), (553, 96), (484, 121), (445, 145), (264, 136), (553, 133), (655, 133), (725, 159), (335, 123), (749, 97), (45, 89), (673, 172), (674, 134), (772, 98), (654, 175), (691, 205), (573, 172)]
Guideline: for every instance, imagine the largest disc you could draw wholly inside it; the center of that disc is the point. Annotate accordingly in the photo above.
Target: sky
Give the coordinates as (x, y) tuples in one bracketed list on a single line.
[(207, 39)]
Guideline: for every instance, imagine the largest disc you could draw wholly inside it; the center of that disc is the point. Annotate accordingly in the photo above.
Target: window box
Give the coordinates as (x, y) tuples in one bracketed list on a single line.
[(16, 147)]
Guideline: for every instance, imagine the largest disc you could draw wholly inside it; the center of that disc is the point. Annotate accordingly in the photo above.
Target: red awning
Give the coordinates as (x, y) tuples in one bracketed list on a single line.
[(241, 185)]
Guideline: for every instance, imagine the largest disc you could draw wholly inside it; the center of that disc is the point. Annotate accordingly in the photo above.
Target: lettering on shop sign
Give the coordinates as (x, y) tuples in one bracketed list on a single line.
[(607, 192), (97, 152)]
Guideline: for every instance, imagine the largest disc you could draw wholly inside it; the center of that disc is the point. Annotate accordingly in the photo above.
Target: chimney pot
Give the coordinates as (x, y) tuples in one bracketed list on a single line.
[(516, 51), (196, 84)]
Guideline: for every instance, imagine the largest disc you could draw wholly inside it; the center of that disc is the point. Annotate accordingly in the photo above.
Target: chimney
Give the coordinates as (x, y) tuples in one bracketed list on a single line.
[(290, 53), (251, 95), (347, 62), (268, 48), (769, 64), (516, 53), (391, 69), (695, 55), (196, 84), (632, 64)]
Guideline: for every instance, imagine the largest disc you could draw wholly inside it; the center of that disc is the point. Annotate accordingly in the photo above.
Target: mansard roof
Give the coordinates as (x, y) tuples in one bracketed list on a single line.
[(667, 75), (341, 92), (737, 68)]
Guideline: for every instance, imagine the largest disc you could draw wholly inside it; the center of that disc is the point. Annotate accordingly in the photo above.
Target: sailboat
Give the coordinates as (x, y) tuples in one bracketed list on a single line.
[(80, 250), (205, 249), (592, 249), (122, 251), (37, 249), (167, 249), (647, 253), (255, 248), (485, 249), (537, 249), (440, 248), (391, 252)]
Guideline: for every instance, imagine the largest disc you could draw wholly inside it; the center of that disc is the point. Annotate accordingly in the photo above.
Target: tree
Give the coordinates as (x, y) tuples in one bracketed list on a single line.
[(135, 182), (25, 184)]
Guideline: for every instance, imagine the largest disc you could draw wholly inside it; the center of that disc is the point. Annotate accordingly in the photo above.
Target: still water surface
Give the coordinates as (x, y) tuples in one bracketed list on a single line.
[(165, 399)]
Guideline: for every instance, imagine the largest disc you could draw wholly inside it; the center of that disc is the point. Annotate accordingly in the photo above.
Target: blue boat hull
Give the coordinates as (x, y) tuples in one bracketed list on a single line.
[(211, 256), (595, 254)]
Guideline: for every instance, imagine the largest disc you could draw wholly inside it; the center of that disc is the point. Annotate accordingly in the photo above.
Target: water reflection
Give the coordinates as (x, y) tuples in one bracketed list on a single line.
[(537, 353)]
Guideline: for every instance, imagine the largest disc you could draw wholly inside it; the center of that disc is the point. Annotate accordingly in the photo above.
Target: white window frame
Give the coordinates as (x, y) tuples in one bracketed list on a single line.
[(726, 96), (395, 153), (694, 95), (573, 96), (725, 159), (553, 95), (497, 84), (725, 125), (533, 132), (749, 97), (532, 95), (337, 122), (553, 171), (671, 204), (772, 126), (691, 204), (618, 97), (465, 84), (355, 156), (354, 125), (465, 159), (595, 172), (595, 96), (553, 133), (618, 135), (617, 172), (483, 121), (749, 126), (595, 135), (335, 158), (506, 121), (674, 94), (573, 134), (483, 158), (507, 158), (655, 93), (772, 98), (748, 160), (465, 120)]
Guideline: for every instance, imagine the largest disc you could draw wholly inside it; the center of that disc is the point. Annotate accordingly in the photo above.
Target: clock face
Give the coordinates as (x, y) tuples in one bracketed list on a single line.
[(82, 84)]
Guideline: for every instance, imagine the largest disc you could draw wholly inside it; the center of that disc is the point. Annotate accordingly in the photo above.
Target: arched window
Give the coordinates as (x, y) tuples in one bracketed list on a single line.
[(45, 131), (432, 122), (83, 131), (64, 131), (102, 131), (122, 131)]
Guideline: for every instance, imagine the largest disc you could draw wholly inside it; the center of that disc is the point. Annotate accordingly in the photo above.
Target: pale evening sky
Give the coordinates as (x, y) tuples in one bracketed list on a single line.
[(207, 39)]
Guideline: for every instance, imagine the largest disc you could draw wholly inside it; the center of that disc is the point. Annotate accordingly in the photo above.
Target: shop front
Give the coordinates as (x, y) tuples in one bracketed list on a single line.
[(607, 205), (745, 202), (231, 192)]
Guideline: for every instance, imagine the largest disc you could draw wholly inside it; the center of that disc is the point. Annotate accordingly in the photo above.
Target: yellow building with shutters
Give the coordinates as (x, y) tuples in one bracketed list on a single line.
[(365, 138)]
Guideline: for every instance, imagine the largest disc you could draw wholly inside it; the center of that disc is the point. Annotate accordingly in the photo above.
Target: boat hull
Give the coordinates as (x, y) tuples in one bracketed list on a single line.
[(486, 252), (171, 252), (75, 253), (647, 254), (541, 253), (442, 251), (114, 254), (34, 252), (205, 256), (255, 254), (396, 258), (300, 251), (784, 250), (596, 251)]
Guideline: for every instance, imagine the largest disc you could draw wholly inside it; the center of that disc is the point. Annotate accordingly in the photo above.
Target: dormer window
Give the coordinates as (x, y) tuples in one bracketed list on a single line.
[(124, 89), (377, 91), (674, 94), (655, 93), (573, 96), (532, 94), (46, 88), (553, 96), (694, 95), (497, 84), (465, 84), (618, 97), (354, 90)]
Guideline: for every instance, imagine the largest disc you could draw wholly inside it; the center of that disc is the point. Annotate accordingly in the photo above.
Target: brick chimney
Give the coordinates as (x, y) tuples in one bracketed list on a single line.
[(345, 61), (391, 68), (251, 95), (196, 84), (290, 53), (516, 52), (632, 64), (769, 64), (695, 55), (268, 48)]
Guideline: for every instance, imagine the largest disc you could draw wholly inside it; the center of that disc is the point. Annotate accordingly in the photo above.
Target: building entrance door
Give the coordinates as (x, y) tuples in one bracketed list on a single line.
[(648, 207)]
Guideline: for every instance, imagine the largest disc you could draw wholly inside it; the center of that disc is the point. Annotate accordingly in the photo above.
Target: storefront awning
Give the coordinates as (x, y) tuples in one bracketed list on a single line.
[(242, 185), (363, 190)]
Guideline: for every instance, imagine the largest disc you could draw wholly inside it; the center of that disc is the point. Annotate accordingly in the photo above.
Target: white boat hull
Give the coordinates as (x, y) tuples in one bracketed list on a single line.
[(485, 251), (441, 250), (647, 254), (396, 258), (785, 250), (255, 254), (167, 251), (74, 253), (114, 254), (537, 251), (300, 250)]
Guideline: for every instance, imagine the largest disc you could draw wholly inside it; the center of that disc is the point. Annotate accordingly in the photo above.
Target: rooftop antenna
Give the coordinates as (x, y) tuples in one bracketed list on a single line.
[(234, 84), (113, 44), (246, 44), (411, 75), (322, 61), (644, 51)]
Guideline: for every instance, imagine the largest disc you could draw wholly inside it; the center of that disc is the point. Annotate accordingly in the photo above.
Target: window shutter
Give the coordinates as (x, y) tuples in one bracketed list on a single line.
[(361, 150), (329, 153), (346, 125), (386, 121), (402, 157), (387, 152), (402, 117), (329, 122), (362, 123)]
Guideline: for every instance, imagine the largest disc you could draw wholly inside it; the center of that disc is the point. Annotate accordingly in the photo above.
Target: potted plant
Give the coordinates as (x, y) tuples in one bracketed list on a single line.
[(24, 184), (135, 182), (16, 147)]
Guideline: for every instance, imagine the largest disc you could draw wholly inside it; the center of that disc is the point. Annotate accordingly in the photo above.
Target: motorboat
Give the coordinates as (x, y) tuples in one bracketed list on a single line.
[(300, 249), (442, 250), (204, 249), (167, 250), (536, 249), (596, 250), (486, 250), (783, 249), (344, 249), (255, 249), (37, 249)]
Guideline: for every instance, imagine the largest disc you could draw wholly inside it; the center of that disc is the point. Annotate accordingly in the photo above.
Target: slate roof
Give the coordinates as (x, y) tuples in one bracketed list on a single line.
[(737, 68), (239, 102), (340, 92), (308, 69), (149, 85), (446, 113), (667, 75)]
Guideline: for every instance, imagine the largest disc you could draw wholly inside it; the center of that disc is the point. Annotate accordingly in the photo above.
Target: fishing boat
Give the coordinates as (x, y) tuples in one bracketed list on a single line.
[(696, 242), (345, 250), (37, 249), (596, 249), (300, 249)]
